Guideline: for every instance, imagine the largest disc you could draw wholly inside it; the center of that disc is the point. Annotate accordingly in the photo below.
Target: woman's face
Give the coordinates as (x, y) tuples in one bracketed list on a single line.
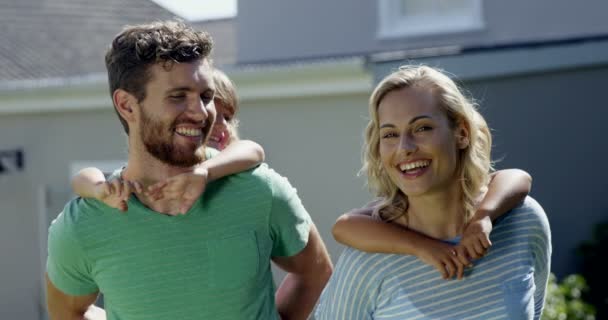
[(220, 135), (418, 147)]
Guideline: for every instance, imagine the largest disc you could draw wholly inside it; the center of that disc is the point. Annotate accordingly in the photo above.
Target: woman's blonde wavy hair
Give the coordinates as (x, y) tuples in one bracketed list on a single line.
[(474, 165)]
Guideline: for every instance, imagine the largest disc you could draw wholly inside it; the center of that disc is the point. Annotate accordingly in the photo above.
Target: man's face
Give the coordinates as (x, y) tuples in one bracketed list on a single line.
[(178, 112)]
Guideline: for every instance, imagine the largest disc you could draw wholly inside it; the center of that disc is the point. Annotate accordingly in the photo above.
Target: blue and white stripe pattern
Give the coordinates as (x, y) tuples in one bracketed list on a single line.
[(508, 283)]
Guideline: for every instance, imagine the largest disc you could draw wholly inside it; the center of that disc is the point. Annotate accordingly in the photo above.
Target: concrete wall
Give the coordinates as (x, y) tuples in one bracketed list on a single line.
[(52, 141), (20, 249), (316, 143), (316, 28)]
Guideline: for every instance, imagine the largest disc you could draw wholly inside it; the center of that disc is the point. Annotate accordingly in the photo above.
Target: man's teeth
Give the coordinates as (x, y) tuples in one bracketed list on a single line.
[(189, 132), (414, 165)]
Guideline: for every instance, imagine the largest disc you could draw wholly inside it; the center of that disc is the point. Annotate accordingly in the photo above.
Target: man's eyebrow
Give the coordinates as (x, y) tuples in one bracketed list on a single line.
[(390, 125), (180, 89)]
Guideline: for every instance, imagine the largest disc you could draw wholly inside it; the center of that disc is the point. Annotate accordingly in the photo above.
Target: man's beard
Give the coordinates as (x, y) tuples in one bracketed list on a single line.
[(158, 140)]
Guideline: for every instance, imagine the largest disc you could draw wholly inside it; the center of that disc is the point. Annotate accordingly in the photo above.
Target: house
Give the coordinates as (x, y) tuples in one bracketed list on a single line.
[(304, 72)]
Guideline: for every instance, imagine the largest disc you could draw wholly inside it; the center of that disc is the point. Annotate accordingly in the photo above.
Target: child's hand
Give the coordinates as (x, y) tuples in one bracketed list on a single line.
[(116, 192), (443, 257), (475, 240), (183, 188)]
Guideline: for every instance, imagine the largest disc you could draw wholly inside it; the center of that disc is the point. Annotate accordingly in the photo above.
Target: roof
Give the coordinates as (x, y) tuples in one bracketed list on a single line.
[(53, 40)]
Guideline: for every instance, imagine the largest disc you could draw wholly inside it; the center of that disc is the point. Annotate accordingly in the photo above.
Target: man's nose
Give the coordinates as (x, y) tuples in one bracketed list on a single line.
[(197, 111)]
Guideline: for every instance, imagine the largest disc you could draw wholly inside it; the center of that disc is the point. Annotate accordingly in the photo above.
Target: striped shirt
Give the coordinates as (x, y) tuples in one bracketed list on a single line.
[(508, 283), (212, 263)]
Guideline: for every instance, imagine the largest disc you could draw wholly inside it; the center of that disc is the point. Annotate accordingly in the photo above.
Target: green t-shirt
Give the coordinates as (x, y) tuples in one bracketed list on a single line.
[(212, 263)]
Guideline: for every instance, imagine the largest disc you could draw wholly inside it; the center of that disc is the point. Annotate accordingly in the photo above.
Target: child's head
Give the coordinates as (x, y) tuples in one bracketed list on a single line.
[(226, 104)]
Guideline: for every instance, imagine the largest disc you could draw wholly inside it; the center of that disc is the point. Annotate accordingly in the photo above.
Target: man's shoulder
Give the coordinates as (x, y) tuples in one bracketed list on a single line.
[(262, 176), (78, 212)]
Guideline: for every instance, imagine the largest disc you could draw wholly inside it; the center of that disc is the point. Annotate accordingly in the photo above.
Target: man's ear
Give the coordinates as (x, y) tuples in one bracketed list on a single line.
[(462, 136), (125, 104)]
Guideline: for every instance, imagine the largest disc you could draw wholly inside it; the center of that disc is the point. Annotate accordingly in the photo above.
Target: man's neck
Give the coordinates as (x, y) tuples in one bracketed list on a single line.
[(148, 170), (143, 167)]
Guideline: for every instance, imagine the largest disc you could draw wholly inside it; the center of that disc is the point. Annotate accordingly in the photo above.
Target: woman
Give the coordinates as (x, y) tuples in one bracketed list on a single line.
[(427, 156)]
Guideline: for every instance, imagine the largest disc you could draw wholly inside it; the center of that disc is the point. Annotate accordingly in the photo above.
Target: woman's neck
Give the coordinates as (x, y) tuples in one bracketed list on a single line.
[(440, 215)]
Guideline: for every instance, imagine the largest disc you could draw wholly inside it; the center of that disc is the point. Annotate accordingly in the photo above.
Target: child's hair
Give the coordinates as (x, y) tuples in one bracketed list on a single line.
[(225, 92)]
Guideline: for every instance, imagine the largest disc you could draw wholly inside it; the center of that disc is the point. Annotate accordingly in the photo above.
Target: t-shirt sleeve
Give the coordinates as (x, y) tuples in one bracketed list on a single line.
[(66, 265), (289, 221)]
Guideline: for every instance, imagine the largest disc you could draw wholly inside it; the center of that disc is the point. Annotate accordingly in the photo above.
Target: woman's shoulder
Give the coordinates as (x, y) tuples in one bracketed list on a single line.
[(529, 218)]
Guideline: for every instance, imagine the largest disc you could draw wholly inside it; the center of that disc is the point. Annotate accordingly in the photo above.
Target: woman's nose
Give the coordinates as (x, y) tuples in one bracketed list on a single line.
[(407, 144)]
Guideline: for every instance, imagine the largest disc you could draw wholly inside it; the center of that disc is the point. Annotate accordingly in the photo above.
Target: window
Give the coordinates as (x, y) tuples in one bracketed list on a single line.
[(403, 18)]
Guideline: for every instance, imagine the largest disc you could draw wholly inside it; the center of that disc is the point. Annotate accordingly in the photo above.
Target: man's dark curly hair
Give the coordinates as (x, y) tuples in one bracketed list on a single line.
[(138, 47)]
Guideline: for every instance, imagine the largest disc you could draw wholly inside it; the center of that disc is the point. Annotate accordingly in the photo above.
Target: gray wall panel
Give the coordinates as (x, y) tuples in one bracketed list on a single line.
[(554, 126)]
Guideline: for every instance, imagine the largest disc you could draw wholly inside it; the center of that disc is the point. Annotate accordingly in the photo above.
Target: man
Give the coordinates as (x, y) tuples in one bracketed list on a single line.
[(213, 262)]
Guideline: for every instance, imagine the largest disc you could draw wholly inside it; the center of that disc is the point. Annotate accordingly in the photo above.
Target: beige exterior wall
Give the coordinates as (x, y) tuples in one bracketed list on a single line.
[(316, 143)]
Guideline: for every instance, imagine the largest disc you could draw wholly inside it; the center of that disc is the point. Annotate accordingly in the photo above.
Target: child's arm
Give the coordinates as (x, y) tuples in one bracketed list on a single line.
[(358, 230), (91, 183), (367, 234), (238, 156), (506, 190)]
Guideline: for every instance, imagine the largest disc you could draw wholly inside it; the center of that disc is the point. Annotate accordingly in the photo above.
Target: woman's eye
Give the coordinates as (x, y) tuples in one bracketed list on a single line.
[(424, 128), (389, 135)]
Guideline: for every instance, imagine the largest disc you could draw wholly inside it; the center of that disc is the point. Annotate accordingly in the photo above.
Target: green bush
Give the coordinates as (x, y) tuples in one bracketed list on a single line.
[(563, 300)]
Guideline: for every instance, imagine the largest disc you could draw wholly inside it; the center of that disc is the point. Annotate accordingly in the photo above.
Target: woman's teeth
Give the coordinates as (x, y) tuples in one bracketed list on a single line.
[(414, 165)]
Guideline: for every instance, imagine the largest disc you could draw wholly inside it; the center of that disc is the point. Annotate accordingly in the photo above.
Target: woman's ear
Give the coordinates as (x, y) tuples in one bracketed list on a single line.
[(462, 136), (124, 102)]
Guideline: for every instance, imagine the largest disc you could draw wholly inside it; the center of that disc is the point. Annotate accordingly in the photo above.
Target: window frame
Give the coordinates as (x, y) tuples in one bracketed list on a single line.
[(392, 24)]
